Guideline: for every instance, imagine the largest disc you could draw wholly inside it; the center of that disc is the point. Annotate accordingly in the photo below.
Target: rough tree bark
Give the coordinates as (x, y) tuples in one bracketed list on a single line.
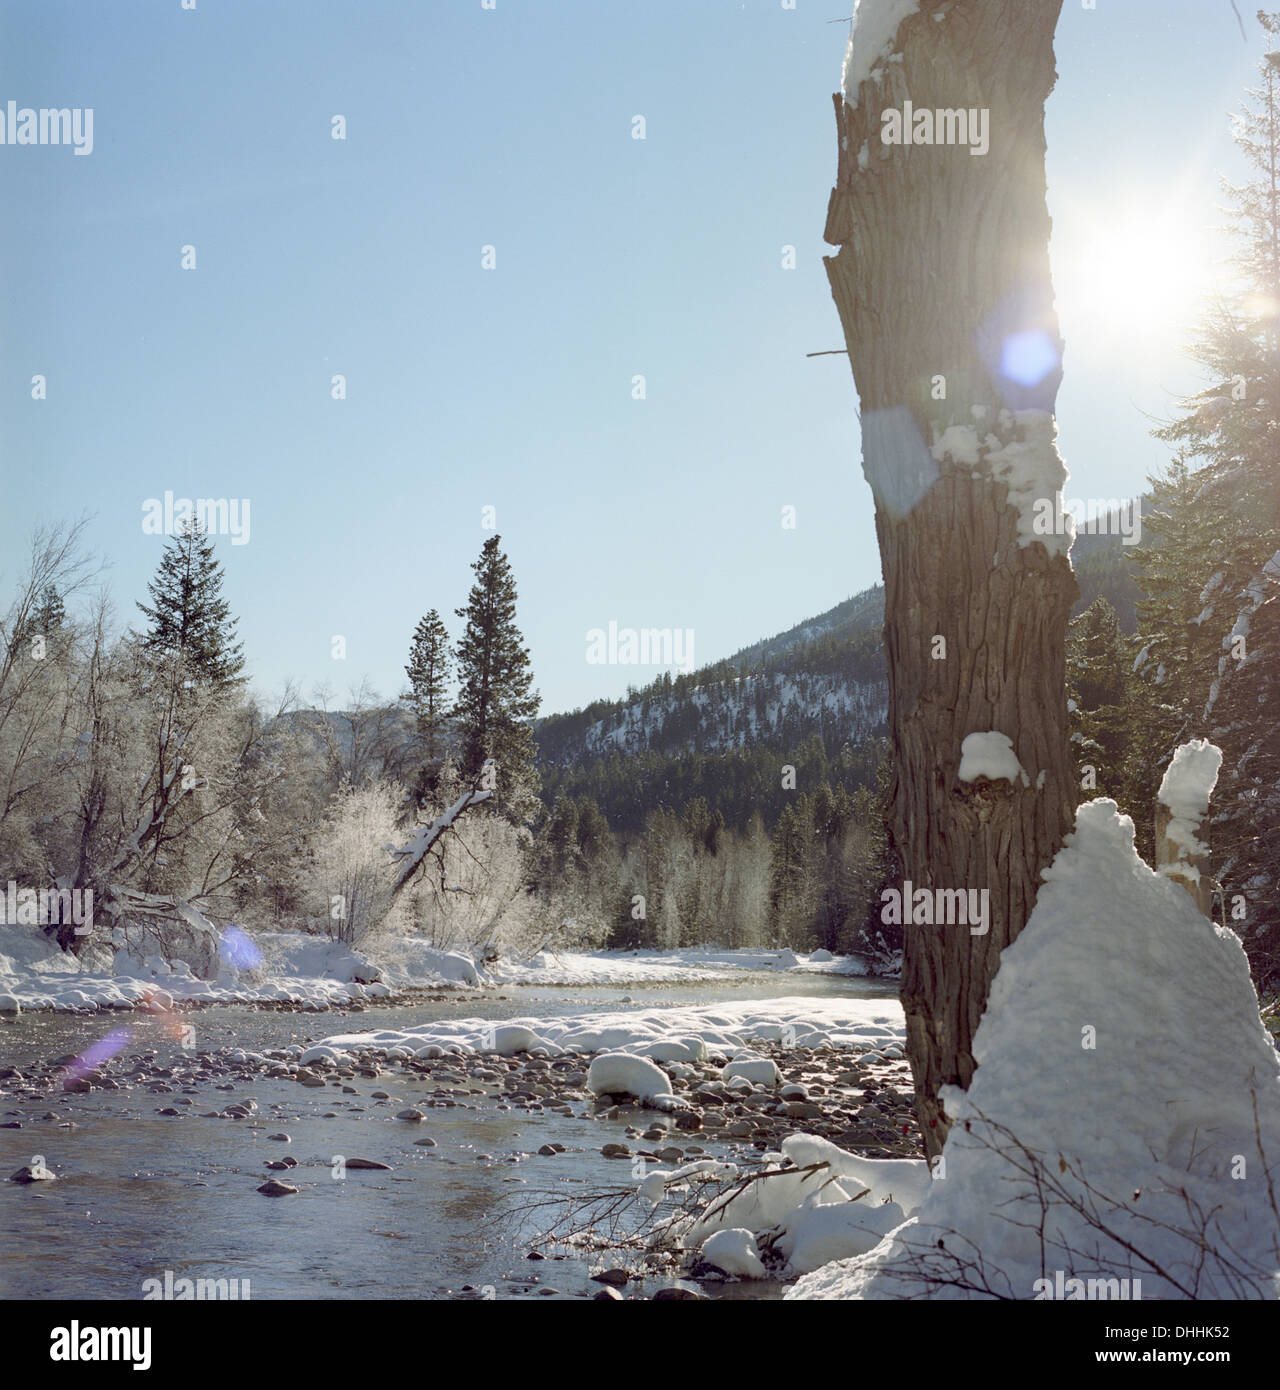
[(942, 284)]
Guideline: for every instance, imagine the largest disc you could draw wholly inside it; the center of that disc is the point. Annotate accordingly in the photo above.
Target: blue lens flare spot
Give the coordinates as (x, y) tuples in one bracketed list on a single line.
[(1028, 358)]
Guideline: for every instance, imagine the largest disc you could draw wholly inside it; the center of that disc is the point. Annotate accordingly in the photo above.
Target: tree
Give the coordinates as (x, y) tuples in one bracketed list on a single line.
[(429, 666), (932, 355), (190, 620), (495, 699), (1211, 585)]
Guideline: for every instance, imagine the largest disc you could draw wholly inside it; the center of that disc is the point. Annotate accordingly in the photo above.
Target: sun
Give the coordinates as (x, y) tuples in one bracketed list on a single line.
[(1133, 278)]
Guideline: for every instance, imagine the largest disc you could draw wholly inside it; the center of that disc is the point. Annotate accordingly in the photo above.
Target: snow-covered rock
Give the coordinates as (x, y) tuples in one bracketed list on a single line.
[(760, 1071), (734, 1251), (622, 1074)]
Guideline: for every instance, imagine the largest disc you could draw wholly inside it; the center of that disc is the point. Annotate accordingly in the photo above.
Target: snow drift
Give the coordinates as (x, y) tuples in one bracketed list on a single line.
[(1123, 1069)]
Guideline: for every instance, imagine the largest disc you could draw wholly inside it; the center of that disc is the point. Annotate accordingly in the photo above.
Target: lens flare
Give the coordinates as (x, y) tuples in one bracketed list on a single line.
[(95, 1054), (1028, 358), (240, 950)]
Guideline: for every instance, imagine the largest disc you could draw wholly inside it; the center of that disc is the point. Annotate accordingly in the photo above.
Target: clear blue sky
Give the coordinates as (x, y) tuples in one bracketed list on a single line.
[(512, 387)]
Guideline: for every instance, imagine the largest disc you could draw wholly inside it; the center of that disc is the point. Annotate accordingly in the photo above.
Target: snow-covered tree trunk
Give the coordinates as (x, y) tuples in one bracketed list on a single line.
[(944, 293)]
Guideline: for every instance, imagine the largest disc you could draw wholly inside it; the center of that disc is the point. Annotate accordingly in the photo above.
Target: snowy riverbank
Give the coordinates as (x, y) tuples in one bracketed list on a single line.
[(293, 968)]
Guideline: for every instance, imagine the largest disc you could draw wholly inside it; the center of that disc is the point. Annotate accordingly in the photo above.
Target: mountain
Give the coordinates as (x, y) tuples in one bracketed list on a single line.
[(814, 697)]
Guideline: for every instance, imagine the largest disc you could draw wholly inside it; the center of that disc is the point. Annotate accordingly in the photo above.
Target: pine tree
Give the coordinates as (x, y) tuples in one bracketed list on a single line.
[(1214, 574), (1245, 829), (46, 620), (428, 668), (495, 700), (190, 620)]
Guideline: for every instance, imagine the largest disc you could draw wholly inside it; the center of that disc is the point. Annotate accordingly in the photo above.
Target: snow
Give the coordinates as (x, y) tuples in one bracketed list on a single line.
[(1122, 1049), (760, 1071), (286, 966), (958, 442), (312, 970), (904, 1181), (816, 1233), (658, 967), (734, 1251), (1187, 785), (803, 1021), (1029, 466), (620, 1073), (1033, 472), (871, 39), (989, 755)]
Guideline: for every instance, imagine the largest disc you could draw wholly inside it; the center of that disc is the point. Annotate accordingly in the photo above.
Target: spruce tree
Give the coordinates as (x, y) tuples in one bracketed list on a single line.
[(1245, 831), (428, 668), (190, 620), (1214, 572), (496, 701)]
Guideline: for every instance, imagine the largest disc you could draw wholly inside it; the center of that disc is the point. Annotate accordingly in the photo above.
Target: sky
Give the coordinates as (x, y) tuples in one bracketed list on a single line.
[(511, 385)]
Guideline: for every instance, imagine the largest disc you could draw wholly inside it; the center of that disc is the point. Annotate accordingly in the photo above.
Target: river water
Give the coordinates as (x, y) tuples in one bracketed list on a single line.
[(142, 1196)]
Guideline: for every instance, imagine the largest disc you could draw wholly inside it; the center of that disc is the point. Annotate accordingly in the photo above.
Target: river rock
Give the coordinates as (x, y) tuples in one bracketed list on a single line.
[(412, 1114), (27, 1173), (368, 1163), (273, 1187)]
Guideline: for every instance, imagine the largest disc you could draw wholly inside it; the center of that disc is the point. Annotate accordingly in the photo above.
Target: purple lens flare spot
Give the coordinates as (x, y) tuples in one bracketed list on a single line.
[(240, 950), (95, 1054)]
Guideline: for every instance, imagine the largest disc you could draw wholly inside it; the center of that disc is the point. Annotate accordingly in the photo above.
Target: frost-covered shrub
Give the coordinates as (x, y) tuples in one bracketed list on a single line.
[(353, 871)]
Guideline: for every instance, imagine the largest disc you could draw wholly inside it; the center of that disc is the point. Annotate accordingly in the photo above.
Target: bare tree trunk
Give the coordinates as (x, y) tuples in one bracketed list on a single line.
[(943, 288)]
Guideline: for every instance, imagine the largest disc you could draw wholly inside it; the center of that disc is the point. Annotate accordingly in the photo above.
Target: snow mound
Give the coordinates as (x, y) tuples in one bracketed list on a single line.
[(1188, 783), (760, 1071), (1120, 1061), (989, 755), (510, 1039), (622, 1074), (734, 1251)]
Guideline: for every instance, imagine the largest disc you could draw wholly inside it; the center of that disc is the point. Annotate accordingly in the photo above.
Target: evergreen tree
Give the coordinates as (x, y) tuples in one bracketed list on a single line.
[(428, 668), (1245, 829), (190, 620), (46, 619), (1210, 579), (495, 700)]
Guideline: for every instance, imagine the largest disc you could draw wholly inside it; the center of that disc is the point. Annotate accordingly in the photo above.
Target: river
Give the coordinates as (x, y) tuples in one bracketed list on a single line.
[(142, 1196)]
